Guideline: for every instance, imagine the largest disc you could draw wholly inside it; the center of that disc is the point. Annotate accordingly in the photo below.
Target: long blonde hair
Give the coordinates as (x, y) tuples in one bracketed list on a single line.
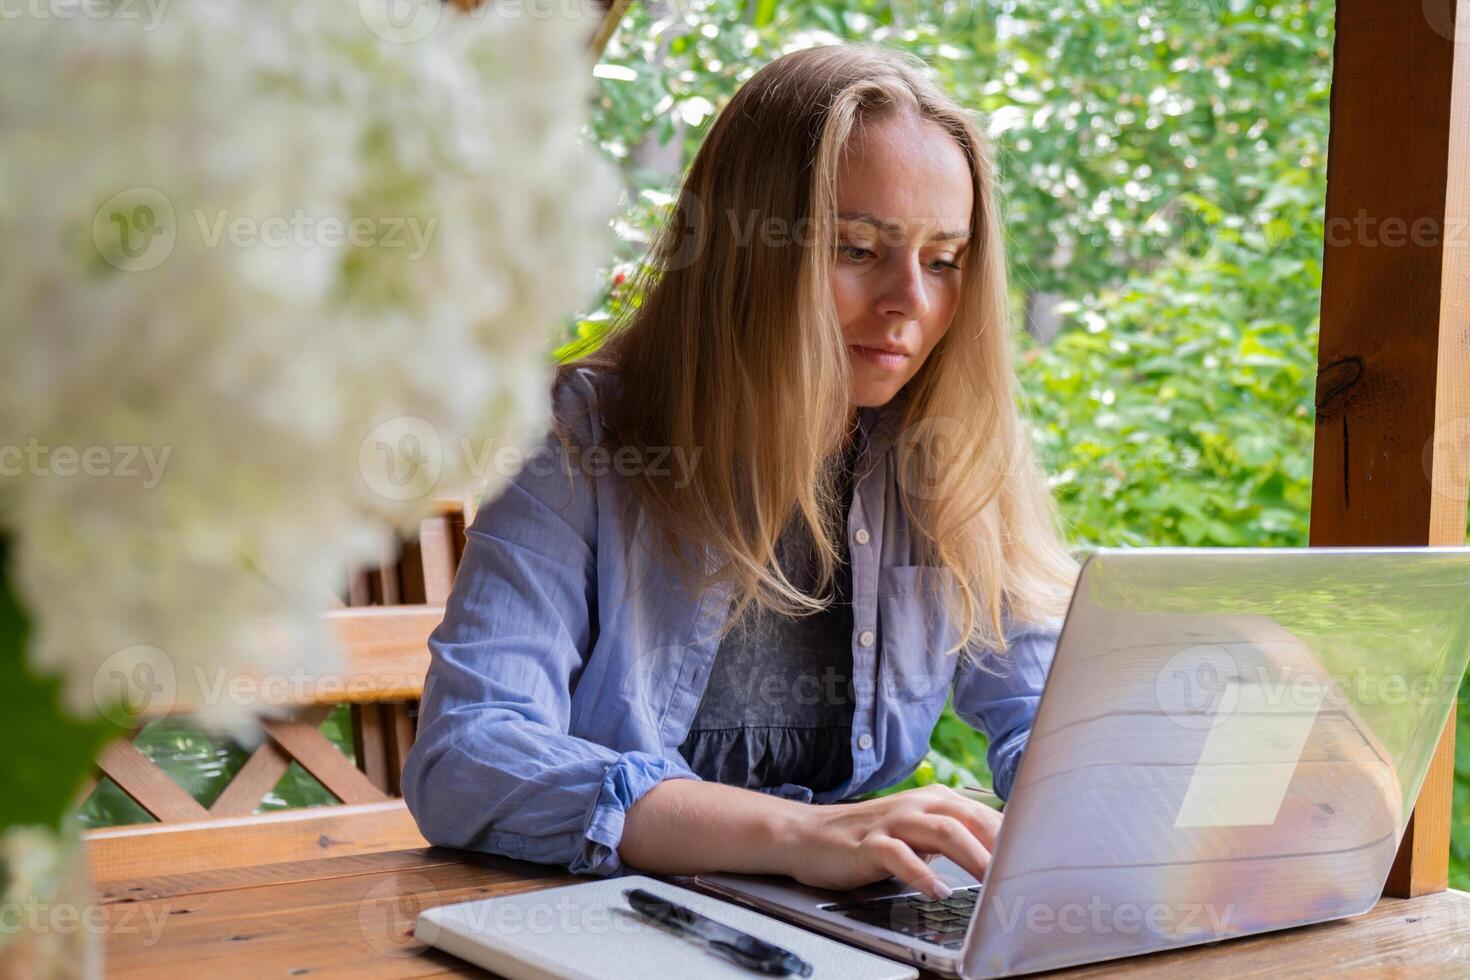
[(736, 350)]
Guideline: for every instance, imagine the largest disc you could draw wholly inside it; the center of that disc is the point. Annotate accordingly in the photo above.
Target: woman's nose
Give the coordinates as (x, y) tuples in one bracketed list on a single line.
[(904, 293)]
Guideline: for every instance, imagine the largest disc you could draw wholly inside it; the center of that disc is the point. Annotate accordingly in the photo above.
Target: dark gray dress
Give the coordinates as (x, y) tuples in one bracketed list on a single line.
[(778, 706)]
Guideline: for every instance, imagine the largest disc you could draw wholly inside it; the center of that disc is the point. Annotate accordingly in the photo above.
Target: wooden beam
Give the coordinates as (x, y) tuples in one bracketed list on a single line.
[(148, 786), (237, 842), (616, 9), (304, 742), (1393, 383)]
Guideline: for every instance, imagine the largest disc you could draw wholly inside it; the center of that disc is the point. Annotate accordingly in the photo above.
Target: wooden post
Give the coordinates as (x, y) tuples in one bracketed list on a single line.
[(1393, 385)]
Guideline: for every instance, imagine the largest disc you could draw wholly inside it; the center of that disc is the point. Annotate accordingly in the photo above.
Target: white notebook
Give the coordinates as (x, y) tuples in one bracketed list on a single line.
[(587, 931)]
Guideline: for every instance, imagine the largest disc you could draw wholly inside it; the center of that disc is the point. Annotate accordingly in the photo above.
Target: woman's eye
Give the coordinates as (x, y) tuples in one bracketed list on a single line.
[(857, 253)]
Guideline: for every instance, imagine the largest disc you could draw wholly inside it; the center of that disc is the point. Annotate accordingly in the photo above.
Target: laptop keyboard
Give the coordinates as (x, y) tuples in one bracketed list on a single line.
[(941, 921)]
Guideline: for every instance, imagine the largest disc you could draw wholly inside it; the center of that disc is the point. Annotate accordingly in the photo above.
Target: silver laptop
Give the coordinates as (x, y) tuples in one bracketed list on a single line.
[(1230, 741)]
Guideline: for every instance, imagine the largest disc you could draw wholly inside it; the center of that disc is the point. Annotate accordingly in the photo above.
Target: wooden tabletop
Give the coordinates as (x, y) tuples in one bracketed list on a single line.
[(354, 915)]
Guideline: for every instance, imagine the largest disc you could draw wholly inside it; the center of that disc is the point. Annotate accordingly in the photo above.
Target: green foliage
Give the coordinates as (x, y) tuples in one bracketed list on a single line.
[(53, 742), (1162, 170)]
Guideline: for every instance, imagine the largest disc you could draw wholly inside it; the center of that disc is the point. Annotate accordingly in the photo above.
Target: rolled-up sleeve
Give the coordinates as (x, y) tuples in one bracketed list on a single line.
[(493, 767), (998, 695)]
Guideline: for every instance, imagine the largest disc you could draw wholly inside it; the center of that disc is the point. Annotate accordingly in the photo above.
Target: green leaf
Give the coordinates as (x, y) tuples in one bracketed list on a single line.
[(52, 751)]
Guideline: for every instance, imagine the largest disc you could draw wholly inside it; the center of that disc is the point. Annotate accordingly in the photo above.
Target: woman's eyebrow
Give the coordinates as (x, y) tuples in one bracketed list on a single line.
[(890, 228)]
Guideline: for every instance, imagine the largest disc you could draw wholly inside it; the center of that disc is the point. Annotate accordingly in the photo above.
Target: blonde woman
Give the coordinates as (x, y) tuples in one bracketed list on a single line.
[(786, 510)]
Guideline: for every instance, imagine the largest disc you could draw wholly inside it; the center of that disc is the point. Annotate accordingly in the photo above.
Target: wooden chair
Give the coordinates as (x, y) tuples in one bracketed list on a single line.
[(383, 630)]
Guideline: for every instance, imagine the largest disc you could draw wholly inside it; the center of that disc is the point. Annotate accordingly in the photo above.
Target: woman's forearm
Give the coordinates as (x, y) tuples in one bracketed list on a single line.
[(686, 826)]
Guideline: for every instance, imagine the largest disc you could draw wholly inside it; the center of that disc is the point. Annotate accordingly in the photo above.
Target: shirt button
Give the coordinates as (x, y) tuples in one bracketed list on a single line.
[(865, 741), (861, 535), (865, 638)]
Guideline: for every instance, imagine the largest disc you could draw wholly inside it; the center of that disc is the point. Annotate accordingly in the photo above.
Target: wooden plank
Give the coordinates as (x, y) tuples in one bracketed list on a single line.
[(387, 590), (114, 853), (1392, 456), (147, 889), (387, 653), (401, 732), (348, 925), (370, 744), (438, 551), (1426, 842), (412, 572), (1423, 937), (152, 789), (351, 918), (260, 773), (317, 755), (359, 590), (457, 536), (257, 777)]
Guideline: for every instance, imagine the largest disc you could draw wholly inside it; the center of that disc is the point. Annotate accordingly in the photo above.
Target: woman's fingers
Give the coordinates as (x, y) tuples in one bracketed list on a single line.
[(981, 820), (945, 834), (900, 861)]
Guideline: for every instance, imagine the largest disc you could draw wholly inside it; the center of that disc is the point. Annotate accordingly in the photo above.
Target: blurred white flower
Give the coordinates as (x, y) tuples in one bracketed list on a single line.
[(233, 245)]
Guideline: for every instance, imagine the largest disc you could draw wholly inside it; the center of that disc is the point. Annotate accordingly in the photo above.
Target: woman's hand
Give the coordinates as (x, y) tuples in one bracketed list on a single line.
[(844, 845)]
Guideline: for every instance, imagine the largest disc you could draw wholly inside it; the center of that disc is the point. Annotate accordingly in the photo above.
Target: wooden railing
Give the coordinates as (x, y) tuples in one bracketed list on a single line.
[(382, 629)]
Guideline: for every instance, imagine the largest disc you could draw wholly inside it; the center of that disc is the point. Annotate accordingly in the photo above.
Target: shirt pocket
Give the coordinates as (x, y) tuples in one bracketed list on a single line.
[(914, 633)]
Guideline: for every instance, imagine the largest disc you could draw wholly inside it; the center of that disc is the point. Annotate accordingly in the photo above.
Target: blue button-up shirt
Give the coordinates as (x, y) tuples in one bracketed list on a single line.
[(569, 665)]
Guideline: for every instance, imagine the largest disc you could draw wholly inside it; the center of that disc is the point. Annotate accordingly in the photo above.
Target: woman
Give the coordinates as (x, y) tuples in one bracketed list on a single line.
[(786, 510)]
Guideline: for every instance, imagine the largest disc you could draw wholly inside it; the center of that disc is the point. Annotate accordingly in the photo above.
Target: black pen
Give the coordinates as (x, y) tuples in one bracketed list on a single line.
[(732, 944)]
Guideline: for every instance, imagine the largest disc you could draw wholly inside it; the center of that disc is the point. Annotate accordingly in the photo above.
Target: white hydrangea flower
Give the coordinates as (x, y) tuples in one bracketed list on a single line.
[(235, 246)]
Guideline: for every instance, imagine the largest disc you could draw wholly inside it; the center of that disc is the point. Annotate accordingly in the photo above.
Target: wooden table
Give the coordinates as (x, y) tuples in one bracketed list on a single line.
[(353, 916)]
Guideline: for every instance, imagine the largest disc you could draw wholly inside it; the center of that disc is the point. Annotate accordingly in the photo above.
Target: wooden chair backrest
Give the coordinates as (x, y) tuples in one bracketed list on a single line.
[(383, 629)]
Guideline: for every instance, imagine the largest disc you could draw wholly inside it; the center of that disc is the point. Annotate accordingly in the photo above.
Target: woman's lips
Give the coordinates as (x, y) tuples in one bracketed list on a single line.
[(887, 360)]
